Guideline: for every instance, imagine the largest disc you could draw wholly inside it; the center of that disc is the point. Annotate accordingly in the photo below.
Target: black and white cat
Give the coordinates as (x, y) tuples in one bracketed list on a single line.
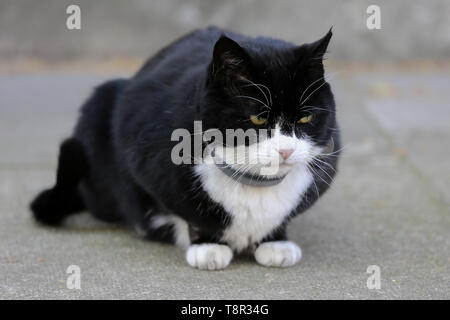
[(119, 164)]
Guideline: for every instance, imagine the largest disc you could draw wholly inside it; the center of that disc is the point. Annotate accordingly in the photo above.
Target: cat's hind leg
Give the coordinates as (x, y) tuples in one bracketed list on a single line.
[(51, 206), (168, 228)]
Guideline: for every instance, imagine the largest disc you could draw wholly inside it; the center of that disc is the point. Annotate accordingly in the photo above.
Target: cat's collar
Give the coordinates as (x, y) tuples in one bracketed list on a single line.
[(256, 180), (249, 179)]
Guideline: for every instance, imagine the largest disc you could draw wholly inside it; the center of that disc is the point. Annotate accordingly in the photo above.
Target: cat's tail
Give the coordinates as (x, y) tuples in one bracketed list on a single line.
[(51, 206)]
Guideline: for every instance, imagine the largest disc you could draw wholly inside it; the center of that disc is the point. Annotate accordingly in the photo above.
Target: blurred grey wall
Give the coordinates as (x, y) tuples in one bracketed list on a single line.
[(137, 28)]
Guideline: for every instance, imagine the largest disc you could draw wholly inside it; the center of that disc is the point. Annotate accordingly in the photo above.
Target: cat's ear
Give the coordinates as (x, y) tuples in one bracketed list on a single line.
[(311, 55), (230, 62), (318, 48)]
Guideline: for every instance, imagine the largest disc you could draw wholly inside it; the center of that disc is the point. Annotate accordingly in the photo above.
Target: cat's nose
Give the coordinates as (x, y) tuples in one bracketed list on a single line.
[(285, 153)]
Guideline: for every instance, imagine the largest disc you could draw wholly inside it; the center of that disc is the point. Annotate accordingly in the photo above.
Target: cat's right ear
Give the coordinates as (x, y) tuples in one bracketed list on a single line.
[(230, 63)]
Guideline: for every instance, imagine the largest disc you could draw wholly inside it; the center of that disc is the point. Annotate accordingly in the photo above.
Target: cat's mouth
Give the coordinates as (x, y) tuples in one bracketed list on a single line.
[(259, 175)]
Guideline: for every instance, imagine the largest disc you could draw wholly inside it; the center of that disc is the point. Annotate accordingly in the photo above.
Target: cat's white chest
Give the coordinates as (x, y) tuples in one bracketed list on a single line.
[(255, 211)]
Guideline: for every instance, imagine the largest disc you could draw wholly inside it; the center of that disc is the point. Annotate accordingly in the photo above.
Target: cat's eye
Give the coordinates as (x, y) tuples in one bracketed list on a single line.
[(306, 119), (259, 121)]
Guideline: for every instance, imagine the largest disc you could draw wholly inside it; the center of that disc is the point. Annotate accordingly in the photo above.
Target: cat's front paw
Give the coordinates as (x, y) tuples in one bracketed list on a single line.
[(209, 256), (278, 254)]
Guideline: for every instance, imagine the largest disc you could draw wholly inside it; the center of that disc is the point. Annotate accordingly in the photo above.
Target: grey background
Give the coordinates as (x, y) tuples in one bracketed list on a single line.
[(410, 29)]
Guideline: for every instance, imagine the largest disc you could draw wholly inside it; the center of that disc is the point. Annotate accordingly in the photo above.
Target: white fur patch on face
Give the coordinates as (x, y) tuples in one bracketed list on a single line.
[(209, 256), (257, 211), (264, 157), (278, 254), (181, 228)]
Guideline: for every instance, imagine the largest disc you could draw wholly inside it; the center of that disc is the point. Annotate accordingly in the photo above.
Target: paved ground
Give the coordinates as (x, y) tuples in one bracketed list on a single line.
[(389, 206)]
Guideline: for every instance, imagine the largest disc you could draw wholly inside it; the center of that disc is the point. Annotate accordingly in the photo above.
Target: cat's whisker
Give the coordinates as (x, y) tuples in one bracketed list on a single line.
[(318, 175), (244, 172), (268, 90), (332, 153), (309, 109), (317, 189), (252, 98), (324, 171), (257, 86), (313, 180), (234, 182), (301, 97), (256, 116), (327, 78), (325, 163), (332, 129), (265, 87)]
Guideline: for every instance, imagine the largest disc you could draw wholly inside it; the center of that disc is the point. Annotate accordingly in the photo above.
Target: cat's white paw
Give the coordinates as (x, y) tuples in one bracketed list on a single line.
[(209, 256), (278, 254)]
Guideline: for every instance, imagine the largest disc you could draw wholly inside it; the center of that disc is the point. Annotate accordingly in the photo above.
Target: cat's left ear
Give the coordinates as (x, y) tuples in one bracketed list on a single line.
[(230, 62), (318, 48), (310, 55)]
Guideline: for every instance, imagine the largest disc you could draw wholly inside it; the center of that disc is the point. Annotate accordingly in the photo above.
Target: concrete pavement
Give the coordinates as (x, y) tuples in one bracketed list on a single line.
[(389, 205)]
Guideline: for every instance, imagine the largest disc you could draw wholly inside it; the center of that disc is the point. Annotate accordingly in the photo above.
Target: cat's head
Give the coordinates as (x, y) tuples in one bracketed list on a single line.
[(270, 85)]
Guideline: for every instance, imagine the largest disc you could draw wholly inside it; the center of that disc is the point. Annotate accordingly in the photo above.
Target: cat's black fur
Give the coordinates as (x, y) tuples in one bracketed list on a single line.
[(117, 164)]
